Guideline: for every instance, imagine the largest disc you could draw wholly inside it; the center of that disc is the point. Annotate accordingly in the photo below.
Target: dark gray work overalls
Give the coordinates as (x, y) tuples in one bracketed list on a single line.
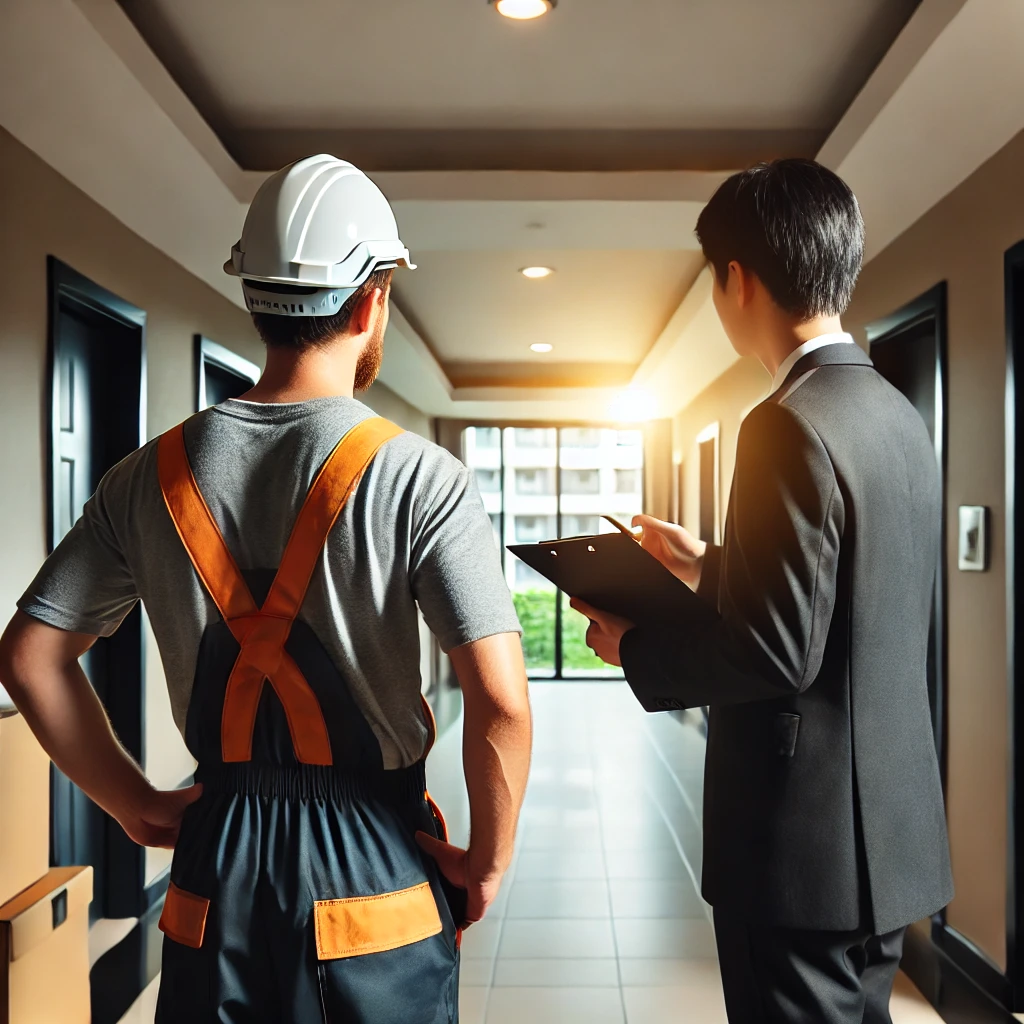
[(298, 892)]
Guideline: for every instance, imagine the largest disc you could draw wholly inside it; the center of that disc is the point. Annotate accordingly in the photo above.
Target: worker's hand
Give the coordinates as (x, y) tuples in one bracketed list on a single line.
[(156, 818), (677, 549), (605, 632), (455, 864)]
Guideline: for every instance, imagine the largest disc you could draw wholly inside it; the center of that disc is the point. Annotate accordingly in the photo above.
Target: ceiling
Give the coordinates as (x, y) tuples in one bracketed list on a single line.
[(452, 77), (598, 85), (589, 141)]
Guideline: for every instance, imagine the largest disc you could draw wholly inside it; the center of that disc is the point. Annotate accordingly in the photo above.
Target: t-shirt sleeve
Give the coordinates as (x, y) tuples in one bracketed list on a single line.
[(456, 571), (86, 586)]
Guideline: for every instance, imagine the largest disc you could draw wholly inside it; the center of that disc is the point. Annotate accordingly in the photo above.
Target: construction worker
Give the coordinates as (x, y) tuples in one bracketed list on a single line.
[(281, 544)]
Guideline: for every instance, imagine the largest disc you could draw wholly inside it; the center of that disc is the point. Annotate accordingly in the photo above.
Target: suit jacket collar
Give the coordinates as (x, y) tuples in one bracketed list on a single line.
[(827, 355)]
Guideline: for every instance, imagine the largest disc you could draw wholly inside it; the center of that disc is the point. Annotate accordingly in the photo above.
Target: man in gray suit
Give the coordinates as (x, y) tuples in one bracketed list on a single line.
[(824, 825)]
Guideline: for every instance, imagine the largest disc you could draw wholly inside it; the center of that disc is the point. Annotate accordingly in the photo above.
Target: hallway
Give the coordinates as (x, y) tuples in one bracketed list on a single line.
[(600, 920)]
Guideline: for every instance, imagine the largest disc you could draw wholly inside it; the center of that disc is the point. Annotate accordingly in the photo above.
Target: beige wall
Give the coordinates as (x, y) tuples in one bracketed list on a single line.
[(383, 401), (724, 402), (41, 214), (961, 241)]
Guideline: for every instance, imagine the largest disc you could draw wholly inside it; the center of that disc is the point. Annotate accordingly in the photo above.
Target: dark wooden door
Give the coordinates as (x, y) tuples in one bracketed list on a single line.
[(97, 364)]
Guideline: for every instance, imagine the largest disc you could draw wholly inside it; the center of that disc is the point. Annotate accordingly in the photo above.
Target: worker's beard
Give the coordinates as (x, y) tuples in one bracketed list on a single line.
[(369, 362)]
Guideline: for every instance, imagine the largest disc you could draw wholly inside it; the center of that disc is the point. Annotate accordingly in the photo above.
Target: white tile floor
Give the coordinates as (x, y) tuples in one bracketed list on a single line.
[(599, 920)]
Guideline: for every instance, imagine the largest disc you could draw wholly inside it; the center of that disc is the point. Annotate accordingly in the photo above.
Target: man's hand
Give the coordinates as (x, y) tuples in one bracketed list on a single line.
[(157, 821), (456, 865), (605, 632), (677, 549)]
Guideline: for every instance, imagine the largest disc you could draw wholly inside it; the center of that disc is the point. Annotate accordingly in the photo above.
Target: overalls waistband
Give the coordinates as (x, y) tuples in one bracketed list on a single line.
[(307, 782)]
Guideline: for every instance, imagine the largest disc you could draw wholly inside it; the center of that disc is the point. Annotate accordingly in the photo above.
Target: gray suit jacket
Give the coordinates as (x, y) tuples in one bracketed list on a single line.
[(823, 806)]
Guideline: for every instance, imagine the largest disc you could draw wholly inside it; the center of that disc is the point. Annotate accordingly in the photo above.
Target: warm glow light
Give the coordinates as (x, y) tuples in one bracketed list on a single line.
[(541, 346), (633, 405), (523, 10), (534, 273), (708, 433)]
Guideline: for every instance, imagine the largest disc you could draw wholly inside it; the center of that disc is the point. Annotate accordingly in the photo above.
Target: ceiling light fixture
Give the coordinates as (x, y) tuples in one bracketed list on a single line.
[(523, 10), (541, 346), (536, 273)]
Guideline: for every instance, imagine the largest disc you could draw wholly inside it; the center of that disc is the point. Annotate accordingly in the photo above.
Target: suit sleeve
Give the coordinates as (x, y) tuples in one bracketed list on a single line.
[(777, 580)]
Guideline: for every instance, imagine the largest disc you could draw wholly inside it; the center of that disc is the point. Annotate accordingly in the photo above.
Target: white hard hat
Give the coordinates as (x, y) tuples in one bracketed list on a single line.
[(319, 224)]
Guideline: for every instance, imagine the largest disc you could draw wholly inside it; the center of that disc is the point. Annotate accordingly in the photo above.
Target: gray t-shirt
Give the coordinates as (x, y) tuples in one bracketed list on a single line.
[(414, 532)]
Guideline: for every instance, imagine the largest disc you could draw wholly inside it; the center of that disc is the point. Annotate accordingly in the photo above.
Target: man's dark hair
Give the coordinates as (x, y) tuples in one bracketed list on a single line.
[(301, 332), (796, 225)]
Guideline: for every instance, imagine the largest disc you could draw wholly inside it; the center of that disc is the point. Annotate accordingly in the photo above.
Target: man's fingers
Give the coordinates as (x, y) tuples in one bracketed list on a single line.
[(429, 844), (583, 608), (450, 859)]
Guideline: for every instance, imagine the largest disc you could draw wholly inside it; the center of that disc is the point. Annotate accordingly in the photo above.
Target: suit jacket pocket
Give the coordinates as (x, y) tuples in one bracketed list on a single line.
[(787, 727)]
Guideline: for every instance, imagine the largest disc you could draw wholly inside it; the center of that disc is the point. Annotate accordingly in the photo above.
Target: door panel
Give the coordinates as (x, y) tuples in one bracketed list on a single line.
[(97, 362)]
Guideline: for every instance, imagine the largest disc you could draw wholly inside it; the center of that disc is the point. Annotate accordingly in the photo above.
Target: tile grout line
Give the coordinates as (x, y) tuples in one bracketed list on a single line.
[(675, 778), (679, 849), (607, 880)]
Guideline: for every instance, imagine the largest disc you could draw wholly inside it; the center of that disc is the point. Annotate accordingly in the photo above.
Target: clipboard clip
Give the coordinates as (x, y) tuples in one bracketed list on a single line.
[(622, 529)]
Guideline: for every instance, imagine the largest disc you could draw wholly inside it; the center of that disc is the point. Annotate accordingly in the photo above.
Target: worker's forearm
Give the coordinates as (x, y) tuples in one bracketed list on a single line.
[(496, 755), (67, 718)]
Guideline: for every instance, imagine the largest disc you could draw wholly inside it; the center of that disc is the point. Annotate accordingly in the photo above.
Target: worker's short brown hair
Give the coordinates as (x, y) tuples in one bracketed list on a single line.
[(301, 332)]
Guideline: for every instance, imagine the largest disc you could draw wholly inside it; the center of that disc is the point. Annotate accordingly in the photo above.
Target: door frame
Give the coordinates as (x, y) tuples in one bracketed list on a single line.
[(1013, 264), (127, 892), (931, 305), (207, 351)]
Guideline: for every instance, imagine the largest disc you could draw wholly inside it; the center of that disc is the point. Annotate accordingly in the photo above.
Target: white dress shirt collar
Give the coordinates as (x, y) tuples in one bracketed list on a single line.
[(839, 338)]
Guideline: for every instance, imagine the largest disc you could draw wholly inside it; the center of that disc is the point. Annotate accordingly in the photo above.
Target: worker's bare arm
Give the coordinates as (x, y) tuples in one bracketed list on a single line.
[(496, 754), (39, 669)]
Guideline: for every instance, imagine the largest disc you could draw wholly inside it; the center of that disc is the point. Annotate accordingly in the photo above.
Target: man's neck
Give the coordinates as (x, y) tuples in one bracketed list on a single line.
[(786, 338), (302, 376)]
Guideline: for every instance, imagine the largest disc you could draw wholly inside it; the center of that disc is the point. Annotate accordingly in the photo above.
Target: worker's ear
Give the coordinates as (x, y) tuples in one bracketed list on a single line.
[(369, 311)]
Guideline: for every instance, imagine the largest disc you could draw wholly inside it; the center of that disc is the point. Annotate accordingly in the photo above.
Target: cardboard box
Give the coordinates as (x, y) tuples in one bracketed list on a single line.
[(24, 808), (44, 951)]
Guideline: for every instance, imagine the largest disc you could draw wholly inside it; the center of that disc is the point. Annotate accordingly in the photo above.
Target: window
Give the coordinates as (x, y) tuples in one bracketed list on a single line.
[(488, 481), (535, 481), (487, 437), (581, 437), (581, 481), (540, 483), (627, 481), (530, 529), (580, 526), (533, 437)]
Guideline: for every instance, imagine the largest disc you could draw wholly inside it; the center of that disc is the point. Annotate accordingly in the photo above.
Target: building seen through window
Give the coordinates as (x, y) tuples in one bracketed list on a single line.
[(544, 483)]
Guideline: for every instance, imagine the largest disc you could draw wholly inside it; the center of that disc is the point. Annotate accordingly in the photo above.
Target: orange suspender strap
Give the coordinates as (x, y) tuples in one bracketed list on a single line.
[(262, 633)]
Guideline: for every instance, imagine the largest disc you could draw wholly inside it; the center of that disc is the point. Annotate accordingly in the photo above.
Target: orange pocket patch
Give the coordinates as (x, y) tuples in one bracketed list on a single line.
[(373, 924), (184, 917)]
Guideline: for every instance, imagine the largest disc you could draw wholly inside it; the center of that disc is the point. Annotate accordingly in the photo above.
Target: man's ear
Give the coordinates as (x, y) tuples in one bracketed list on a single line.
[(363, 316), (744, 282)]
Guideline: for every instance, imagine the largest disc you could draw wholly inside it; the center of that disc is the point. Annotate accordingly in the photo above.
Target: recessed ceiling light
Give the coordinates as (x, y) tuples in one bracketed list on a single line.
[(534, 273), (523, 10), (541, 346)]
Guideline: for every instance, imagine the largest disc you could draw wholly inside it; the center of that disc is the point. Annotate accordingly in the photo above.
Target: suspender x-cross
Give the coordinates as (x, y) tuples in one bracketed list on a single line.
[(262, 632)]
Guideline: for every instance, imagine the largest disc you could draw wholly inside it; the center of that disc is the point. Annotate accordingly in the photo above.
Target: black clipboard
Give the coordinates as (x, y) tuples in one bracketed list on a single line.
[(612, 572)]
